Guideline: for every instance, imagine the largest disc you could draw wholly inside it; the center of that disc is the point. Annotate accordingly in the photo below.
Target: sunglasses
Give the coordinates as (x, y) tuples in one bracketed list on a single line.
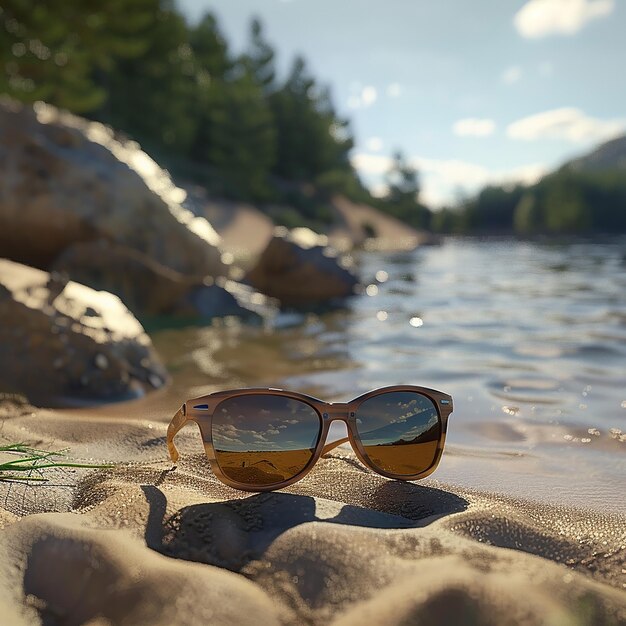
[(266, 439)]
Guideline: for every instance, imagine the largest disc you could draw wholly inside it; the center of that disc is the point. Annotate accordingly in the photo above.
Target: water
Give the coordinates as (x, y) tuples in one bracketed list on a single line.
[(529, 339)]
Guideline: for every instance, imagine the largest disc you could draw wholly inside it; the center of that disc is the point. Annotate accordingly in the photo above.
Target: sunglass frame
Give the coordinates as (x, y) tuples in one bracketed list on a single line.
[(201, 409)]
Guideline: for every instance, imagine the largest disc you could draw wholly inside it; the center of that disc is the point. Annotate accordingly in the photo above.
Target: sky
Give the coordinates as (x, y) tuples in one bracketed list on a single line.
[(471, 92)]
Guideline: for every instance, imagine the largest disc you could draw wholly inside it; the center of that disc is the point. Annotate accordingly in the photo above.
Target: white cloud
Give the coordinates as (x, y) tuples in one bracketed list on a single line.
[(434, 197), (540, 18), (455, 172), (526, 174), (371, 164), (511, 75), (566, 123), (474, 127), (442, 178), (374, 144)]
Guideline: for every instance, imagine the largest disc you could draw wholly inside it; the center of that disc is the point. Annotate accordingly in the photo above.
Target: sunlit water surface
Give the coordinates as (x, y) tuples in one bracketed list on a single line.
[(529, 339)]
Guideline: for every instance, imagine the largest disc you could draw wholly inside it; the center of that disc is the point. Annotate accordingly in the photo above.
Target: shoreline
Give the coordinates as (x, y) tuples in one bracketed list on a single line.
[(535, 477)]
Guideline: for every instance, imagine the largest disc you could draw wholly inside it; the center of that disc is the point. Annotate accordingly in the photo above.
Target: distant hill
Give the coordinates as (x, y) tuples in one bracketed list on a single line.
[(608, 156), (585, 196)]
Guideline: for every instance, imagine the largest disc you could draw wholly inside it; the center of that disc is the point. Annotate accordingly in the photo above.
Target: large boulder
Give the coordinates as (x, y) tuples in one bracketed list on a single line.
[(144, 285), (365, 226), (300, 270), (150, 289), (222, 297), (63, 344), (64, 179)]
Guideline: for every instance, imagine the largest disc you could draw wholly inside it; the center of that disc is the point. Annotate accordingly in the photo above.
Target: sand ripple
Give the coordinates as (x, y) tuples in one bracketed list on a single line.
[(145, 544)]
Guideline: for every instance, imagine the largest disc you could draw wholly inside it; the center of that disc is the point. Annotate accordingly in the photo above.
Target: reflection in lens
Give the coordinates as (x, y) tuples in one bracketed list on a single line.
[(264, 439), (400, 431)]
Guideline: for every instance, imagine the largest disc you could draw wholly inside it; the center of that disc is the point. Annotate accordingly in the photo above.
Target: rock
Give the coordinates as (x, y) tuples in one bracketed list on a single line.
[(300, 270), (150, 289), (243, 229), (64, 180), (63, 344), (145, 286), (225, 298), (364, 226)]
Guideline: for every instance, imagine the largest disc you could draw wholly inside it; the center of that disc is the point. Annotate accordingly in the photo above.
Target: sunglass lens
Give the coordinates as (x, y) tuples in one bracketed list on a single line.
[(261, 440), (399, 431)]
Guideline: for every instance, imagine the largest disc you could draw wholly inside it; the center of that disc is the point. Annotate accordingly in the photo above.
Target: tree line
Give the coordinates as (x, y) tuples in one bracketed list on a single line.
[(225, 120), (566, 201)]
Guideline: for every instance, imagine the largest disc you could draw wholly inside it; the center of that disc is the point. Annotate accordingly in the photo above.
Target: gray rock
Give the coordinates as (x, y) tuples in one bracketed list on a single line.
[(145, 286), (300, 270), (64, 344), (64, 180), (226, 298), (150, 289)]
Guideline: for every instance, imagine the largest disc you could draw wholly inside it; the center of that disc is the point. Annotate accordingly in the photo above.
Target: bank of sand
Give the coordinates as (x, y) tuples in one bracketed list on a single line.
[(144, 544)]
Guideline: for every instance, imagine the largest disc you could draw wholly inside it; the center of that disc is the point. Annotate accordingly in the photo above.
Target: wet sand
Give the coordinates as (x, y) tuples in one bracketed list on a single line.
[(142, 543)]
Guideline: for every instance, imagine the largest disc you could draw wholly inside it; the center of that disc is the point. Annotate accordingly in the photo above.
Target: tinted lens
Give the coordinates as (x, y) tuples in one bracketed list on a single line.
[(264, 439), (400, 431)]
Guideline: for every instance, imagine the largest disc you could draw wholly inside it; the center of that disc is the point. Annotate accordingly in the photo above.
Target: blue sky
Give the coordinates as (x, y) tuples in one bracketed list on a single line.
[(472, 92)]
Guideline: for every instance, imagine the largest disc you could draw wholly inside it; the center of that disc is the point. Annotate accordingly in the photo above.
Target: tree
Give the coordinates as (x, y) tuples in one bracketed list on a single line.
[(402, 182), (213, 65), (259, 59), (445, 220), (402, 198), (528, 218), (492, 210), (210, 49), (54, 50), (242, 137), (312, 140), (564, 207), (153, 97)]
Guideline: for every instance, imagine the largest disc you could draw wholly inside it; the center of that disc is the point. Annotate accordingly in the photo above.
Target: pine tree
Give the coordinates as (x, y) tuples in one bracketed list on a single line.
[(210, 49), (53, 50), (311, 139), (213, 65), (242, 137), (259, 59), (153, 97), (402, 198)]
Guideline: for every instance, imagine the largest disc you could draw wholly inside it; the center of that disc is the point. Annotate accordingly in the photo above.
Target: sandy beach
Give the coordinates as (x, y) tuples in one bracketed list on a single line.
[(143, 543)]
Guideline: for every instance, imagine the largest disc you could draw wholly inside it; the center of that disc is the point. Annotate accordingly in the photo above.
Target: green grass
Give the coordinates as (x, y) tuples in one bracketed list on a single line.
[(31, 463)]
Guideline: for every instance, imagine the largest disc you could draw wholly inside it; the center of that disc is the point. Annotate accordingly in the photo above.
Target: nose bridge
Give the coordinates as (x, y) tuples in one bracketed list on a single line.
[(336, 411)]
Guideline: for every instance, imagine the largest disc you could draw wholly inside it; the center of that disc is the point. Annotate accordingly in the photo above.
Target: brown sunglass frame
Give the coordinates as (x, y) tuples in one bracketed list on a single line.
[(200, 410)]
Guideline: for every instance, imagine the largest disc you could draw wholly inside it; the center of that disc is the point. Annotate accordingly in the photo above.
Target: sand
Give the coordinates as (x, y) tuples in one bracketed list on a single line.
[(143, 543)]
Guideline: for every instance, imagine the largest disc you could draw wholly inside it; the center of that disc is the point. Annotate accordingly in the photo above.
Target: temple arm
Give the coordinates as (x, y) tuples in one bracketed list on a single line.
[(331, 446), (178, 421)]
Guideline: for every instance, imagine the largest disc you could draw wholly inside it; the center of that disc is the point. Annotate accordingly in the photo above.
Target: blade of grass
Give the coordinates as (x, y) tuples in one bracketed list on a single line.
[(33, 463), (17, 468), (25, 448), (40, 479)]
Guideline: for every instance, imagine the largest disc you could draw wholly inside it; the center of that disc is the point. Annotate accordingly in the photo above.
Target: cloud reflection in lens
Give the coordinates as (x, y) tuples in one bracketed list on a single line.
[(400, 431), (264, 439)]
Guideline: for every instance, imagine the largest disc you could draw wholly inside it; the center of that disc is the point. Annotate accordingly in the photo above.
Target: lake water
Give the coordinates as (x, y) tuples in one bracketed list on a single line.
[(529, 339)]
